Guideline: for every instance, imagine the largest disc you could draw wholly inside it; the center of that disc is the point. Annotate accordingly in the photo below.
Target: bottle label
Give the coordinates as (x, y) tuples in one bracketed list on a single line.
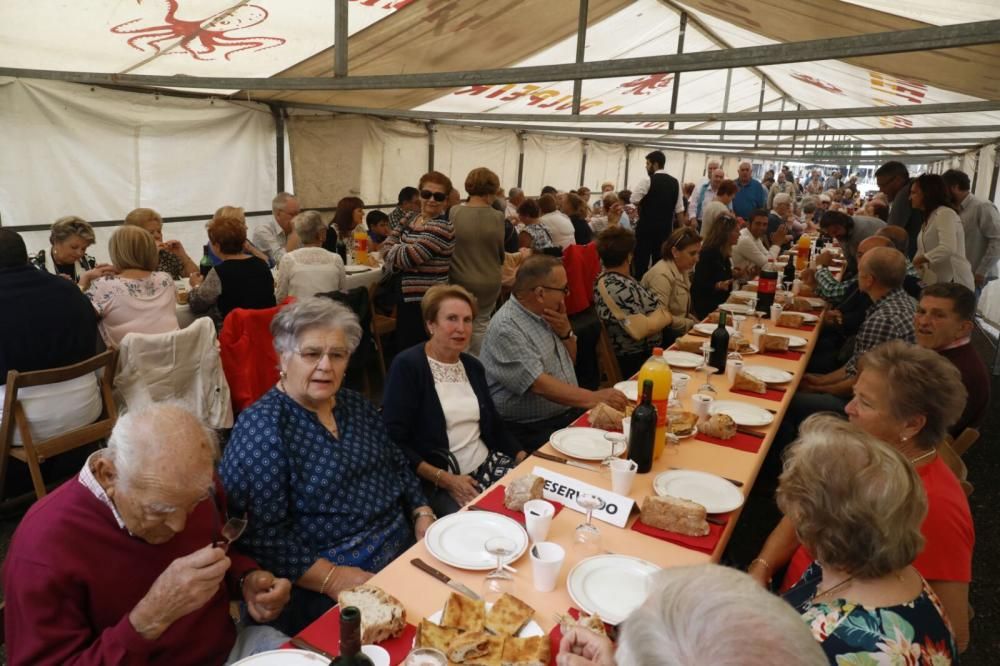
[(661, 412), (767, 285)]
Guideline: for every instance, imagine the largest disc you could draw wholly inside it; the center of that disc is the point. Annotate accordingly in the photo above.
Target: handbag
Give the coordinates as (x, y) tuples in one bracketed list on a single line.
[(638, 326)]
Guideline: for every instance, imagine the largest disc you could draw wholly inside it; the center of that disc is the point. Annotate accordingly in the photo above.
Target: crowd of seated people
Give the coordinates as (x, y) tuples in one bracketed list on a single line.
[(876, 530)]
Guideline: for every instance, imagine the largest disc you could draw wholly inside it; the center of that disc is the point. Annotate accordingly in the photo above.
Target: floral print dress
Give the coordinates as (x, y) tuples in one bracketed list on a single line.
[(913, 633)]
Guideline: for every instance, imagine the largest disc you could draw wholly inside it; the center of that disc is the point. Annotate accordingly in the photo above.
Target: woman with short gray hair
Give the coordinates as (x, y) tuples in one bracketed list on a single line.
[(857, 504), (331, 499), (67, 254), (310, 269)]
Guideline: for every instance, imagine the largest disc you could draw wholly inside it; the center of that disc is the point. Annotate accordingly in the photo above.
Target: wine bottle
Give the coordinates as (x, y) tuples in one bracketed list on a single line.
[(720, 345), (642, 432), (766, 286), (350, 640), (789, 273)]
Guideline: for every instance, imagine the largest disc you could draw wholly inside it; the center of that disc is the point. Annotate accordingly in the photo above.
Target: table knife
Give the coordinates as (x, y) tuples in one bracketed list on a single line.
[(566, 461), (303, 644), (444, 578)]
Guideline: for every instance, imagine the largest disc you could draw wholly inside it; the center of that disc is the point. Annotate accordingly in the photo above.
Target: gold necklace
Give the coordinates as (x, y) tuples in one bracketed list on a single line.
[(833, 588), (922, 457)]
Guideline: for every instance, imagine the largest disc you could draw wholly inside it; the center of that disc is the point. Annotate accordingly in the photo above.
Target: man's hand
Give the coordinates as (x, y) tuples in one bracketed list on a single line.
[(920, 261), (780, 236), (558, 320), (833, 317), (582, 647), (808, 276), (185, 585), (195, 279), (265, 595), (462, 487), (612, 397), (824, 259)]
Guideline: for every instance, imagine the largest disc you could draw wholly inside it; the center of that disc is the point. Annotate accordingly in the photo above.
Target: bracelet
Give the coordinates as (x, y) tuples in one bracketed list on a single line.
[(424, 514), (326, 581), (437, 477), (766, 566)]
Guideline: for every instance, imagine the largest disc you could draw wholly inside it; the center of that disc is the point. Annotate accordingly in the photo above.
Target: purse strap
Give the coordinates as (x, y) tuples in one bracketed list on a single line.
[(616, 311)]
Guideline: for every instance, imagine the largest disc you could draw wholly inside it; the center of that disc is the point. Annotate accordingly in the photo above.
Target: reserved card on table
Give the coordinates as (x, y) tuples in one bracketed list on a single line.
[(565, 489)]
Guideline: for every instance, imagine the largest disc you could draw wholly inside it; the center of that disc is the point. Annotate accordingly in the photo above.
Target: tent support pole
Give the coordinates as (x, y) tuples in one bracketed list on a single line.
[(340, 38), (628, 159), (279, 146), (780, 120), (795, 131), (760, 109), (993, 182), (675, 93), (520, 158), (431, 130), (581, 45), (583, 162), (725, 103)]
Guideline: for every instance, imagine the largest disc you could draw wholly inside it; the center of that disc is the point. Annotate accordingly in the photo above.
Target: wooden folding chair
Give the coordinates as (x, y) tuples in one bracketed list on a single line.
[(34, 453), (606, 360), (956, 465), (966, 439), (381, 325)]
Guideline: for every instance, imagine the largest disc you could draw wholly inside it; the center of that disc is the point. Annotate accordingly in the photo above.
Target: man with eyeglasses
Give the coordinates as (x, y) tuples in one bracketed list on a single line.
[(127, 562), (276, 237), (529, 352)]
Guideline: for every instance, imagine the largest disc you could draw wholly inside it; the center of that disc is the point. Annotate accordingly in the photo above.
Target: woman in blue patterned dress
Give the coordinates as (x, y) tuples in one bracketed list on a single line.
[(857, 504), (330, 498)]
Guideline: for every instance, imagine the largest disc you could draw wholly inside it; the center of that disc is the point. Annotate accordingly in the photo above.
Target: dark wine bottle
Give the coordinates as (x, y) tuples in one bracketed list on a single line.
[(350, 640), (720, 345), (642, 433), (767, 284), (789, 274)]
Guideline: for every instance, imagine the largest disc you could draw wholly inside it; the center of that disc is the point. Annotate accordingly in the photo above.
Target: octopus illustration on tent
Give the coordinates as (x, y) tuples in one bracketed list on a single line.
[(201, 38)]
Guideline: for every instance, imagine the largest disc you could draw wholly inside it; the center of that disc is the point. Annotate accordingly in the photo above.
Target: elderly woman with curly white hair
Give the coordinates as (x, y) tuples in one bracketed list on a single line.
[(857, 504), (331, 499), (310, 269)]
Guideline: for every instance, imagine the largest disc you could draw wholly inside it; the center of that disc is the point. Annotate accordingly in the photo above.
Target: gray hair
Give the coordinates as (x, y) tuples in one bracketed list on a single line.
[(782, 198), (155, 431), (313, 312), (704, 614), (514, 192), (808, 205), (66, 227), (279, 201), (309, 226), (533, 271)]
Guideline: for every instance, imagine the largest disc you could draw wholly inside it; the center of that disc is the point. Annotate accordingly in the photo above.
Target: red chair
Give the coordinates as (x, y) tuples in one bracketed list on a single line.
[(582, 268), (247, 352)]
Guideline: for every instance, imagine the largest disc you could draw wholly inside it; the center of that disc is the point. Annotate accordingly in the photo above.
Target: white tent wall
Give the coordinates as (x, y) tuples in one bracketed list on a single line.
[(986, 163), (459, 150), (393, 155), (96, 153), (551, 160), (605, 163)]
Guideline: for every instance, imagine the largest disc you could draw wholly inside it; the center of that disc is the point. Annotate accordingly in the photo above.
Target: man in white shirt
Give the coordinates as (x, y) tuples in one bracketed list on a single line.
[(981, 222), (515, 197), (751, 251), (706, 192), (558, 225), (661, 210), (276, 237)]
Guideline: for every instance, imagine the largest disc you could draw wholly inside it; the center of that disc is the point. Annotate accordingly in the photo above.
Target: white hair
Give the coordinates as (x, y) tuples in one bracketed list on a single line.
[(309, 226), (710, 614), (279, 201), (782, 198), (313, 312), (156, 429)]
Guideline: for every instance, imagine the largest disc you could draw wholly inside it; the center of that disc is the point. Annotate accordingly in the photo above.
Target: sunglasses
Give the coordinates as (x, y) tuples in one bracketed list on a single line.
[(437, 196)]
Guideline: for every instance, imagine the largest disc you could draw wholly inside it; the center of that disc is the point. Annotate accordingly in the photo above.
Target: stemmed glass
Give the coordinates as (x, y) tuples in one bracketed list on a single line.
[(232, 529), (738, 320), (498, 582), (707, 387), (616, 440), (587, 534)]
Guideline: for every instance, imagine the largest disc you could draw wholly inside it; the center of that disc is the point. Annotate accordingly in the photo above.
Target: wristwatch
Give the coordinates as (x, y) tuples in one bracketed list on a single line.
[(569, 335)]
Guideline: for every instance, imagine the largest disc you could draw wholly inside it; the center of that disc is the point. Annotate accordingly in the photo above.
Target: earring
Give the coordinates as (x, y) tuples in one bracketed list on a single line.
[(283, 374)]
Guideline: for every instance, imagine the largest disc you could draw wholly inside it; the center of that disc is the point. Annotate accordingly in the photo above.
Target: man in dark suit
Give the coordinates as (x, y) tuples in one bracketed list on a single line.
[(659, 200)]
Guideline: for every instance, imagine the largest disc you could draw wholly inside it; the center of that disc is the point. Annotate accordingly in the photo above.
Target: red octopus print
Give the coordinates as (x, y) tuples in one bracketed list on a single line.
[(204, 37)]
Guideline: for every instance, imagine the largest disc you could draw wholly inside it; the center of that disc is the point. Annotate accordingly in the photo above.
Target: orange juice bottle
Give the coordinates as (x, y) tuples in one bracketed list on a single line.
[(802, 252), (658, 370), (361, 246)]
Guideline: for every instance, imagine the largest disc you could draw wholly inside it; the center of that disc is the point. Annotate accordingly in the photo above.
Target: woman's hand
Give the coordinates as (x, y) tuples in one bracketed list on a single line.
[(100, 270), (462, 487), (174, 247), (195, 279), (521, 455), (344, 578), (420, 526), (582, 647), (920, 261)]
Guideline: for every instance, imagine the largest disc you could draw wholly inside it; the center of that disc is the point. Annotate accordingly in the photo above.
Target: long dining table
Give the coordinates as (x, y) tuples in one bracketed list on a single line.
[(423, 595)]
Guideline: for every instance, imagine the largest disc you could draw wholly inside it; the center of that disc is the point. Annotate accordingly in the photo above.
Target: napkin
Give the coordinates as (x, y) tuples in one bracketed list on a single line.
[(493, 501), (704, 544), (771, 394), (324, 633), (740, 441), (790, 355), (555, 636)]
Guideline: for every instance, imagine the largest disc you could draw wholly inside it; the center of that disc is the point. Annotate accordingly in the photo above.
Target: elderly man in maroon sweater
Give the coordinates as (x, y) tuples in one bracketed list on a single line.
[(943, 322), (118, 566)]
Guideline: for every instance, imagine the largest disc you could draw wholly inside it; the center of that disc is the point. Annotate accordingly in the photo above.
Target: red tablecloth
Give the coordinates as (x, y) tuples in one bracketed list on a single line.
[(741, 441), (324, 633), (704, 544), (493, 501)]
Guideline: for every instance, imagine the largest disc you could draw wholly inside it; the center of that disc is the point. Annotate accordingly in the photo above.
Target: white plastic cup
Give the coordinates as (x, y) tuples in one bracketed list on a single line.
[(538, 519), (796, 287), (755, 333), (702, 404), (775, 312), (626, 426), (379, 655), (732, 369), (623, 473), (546, 562)]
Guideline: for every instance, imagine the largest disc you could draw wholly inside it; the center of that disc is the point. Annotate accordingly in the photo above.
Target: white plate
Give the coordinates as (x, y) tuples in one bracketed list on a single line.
[(767, 374), (610, 585), (815, 302), (584, 443), (736, 308), (532, 628), (793, 340), (459, 540), (682, 360), (744, 294), (630, 388), (356, 268), (807, 317), (742, 413), (713, 492), (284, 658), (708, 329)]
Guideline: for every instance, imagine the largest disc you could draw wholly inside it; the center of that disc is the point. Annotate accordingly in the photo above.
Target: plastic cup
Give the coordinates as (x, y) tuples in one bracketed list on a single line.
[(702, 404), (775, 312), (796, 287), (538, 519), (626, 426), (732, 369), (546, 562), (379, 655), (623, 473)]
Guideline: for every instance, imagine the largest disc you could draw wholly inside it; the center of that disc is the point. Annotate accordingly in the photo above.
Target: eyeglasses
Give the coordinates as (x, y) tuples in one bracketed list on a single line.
[(564, 290), (437, 196), (313, 356)]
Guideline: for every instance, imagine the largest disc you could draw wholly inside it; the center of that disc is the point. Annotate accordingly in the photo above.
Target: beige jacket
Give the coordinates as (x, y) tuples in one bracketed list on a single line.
[(673, 289)]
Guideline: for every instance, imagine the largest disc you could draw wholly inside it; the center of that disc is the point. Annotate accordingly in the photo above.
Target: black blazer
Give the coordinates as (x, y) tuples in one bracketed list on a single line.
[(415, 418), (711, 268)]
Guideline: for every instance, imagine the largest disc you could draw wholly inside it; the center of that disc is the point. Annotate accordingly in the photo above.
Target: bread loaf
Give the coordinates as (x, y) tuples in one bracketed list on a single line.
[(721, 426), (744, 381), (674, 515), (606, 417), (791, 320), (382, 616), (682, 423), (522, 489), (770, 342), (690, 345), (798, 305)]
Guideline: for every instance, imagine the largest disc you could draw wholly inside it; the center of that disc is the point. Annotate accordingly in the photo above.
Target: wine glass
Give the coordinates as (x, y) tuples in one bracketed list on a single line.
[(738, 320), (587, 534), (707, 387), (616, 440), (498, 582)]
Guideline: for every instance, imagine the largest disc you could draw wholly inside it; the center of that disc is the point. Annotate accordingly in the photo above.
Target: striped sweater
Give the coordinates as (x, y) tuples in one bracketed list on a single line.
[(422, 256)]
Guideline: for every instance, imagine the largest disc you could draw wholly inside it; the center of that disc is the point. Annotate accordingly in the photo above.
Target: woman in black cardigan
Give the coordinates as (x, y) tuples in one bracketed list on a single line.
[(438, 409), (713, 274)]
